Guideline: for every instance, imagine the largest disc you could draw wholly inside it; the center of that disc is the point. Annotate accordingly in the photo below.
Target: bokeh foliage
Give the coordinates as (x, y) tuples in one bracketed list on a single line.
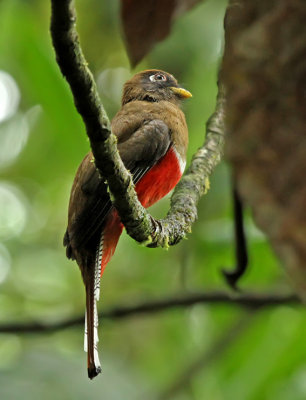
[(42, 140)]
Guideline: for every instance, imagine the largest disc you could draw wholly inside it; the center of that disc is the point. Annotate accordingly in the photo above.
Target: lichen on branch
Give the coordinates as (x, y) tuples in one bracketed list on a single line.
[(139, 224)]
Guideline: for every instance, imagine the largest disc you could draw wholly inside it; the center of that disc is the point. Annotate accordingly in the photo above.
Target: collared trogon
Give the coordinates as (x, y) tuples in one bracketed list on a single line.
[(152, 138)]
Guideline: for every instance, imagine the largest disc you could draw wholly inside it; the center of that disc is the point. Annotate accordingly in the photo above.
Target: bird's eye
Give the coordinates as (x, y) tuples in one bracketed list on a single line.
[(158, 77)]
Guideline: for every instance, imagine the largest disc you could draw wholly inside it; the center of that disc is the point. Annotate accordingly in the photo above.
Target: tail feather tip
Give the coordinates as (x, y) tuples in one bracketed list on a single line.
[(93, 371)]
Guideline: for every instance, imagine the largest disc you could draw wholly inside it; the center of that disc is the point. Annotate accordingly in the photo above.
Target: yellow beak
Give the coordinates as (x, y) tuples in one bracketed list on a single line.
[(183, 93)]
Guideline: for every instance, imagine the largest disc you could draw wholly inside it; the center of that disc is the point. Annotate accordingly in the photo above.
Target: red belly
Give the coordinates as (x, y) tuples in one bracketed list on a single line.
[(156, 183), (160, 180)]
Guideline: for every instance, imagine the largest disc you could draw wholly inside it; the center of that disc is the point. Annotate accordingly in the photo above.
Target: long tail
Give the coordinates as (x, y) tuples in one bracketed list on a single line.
[(105, 250), (91, 338)]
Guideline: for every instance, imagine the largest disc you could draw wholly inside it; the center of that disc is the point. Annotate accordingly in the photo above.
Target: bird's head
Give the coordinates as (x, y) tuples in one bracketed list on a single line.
[(153, 85)]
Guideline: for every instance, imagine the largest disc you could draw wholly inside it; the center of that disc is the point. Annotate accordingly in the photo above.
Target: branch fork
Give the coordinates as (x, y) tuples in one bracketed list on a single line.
[(139, 224)]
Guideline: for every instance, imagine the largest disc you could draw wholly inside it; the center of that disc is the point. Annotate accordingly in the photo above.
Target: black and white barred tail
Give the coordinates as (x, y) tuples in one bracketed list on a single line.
[(91, 337)]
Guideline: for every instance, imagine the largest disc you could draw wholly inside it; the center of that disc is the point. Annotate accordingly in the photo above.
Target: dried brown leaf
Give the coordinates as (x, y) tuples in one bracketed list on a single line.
[(146, 22)]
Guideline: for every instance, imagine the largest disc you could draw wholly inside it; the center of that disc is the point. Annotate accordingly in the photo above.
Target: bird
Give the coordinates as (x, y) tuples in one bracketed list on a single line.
[(152, 140)]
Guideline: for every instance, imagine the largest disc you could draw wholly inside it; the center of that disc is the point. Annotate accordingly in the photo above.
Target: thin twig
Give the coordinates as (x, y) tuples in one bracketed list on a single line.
[(249, 301), (241, 250), (138, 222)]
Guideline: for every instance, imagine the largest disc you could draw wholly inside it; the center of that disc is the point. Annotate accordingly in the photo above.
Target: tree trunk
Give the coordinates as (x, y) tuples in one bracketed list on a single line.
[(264, 71)]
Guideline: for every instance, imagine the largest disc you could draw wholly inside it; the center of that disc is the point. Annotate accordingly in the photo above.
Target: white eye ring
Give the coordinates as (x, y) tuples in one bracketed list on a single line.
[(157, 77)]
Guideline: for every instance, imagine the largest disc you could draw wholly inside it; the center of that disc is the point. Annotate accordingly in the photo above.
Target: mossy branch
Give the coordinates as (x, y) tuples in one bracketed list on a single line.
[(139, 224), (250, 301)]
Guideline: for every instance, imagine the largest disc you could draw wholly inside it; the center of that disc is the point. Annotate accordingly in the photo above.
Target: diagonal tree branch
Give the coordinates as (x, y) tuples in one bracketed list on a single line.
[(139, 224), (249, 301)]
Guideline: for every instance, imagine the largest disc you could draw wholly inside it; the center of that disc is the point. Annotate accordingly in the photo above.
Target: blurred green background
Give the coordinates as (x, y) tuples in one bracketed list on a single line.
[(42, 141)]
